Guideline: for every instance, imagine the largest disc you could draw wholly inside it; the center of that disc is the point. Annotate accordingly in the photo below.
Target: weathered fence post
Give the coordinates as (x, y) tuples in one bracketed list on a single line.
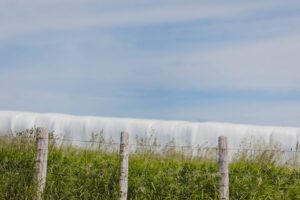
[(223, 168), (124, 151), (41, 159)]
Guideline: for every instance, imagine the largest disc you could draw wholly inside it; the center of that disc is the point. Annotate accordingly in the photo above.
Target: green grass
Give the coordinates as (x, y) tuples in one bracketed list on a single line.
[(93, 174)]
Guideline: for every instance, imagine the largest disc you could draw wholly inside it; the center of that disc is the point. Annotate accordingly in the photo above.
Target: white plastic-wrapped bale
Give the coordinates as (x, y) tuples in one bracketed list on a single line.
[(204, 134)]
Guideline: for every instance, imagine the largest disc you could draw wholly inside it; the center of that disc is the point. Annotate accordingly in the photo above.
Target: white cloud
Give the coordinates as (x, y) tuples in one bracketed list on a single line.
[(18, 17), (263, 65), (269, 64)]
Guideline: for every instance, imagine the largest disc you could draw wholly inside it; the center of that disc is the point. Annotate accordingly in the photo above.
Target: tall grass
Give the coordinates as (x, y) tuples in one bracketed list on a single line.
[(92, 173)]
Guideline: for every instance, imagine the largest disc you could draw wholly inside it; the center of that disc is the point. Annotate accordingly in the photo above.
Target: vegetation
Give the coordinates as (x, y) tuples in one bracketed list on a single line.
[(92, 173)]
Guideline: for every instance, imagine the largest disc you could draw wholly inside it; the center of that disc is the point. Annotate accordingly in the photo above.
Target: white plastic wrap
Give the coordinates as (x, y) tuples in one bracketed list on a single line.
[(184, 133)]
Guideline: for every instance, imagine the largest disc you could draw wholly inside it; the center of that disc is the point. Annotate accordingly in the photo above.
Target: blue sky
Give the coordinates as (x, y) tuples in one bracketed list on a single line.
[(233, 61)]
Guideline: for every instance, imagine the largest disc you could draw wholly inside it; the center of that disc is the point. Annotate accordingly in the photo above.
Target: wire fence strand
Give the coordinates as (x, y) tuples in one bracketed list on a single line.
[(198, 147)]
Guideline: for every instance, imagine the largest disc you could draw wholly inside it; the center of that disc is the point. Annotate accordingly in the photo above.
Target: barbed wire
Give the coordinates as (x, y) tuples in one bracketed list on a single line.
[(191, 147), (94, 175)]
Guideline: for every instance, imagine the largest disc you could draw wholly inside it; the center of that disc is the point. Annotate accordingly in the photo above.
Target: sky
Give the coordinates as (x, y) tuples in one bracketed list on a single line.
[(225, 61)]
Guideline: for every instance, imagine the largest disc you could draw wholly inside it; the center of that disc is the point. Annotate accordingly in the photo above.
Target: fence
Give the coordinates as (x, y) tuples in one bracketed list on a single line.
[(222, 153)]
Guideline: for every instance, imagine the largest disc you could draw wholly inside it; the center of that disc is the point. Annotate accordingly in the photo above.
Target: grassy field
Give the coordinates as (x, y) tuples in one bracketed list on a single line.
[(93, 174)]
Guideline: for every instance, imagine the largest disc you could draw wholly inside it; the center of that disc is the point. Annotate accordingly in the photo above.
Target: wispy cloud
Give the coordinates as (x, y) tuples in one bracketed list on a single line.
[(18, 17), (270, 65), (158, 59)]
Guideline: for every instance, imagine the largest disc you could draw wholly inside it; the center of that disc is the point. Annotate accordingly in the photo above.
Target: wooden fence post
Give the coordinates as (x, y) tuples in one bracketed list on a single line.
[(41, 159), (223, 168), (124, 152)]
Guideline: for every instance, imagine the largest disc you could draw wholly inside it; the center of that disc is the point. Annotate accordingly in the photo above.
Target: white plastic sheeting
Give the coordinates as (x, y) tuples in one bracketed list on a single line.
[(184, 133)]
